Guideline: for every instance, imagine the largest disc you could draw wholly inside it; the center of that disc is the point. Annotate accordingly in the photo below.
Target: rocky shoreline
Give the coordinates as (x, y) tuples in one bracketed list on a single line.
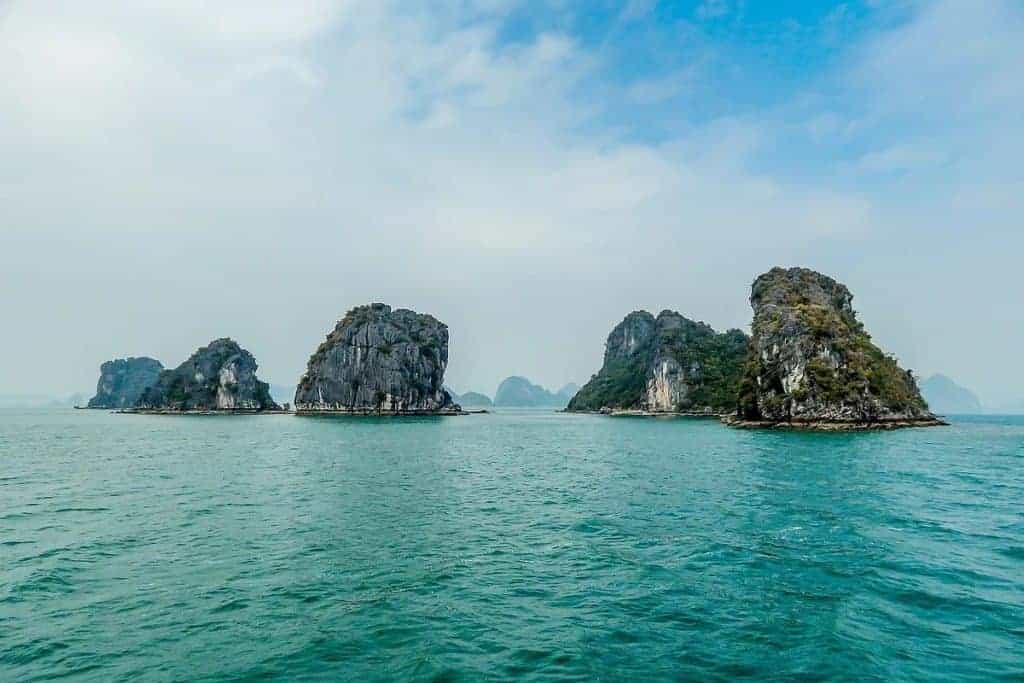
[(218, 411), (825, 426), (730, 420), (639, 412), (299, 413), (373, 412)]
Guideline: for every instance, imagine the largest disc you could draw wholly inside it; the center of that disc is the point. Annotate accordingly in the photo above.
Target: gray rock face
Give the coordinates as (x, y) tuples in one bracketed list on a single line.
[(379, 360), (632, 337), (811, 360), (666, 364), (218, 377), (122, 382)]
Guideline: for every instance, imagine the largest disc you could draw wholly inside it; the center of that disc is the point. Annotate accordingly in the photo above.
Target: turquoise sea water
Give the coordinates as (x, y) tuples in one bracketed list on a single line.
[(526, 545)]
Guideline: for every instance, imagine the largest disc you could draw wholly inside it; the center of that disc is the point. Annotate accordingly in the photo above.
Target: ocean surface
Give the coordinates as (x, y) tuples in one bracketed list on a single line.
[(528, 545)]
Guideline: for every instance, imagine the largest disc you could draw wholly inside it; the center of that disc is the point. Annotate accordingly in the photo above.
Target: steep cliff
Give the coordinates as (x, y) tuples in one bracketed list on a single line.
[(218, 377), (123, 380), (812, 363), (379, 360), (666, 364)]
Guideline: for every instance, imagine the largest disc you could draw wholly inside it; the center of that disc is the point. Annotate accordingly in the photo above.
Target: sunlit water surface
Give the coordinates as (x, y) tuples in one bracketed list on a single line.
[(528, 544)]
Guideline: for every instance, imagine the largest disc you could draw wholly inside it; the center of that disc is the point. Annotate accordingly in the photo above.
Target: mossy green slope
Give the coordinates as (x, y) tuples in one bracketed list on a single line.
[(666, 364), (812, 360)]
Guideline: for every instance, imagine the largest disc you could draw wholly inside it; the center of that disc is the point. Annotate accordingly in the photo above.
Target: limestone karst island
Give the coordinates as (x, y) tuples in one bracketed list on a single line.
[(812, 364), (123, 381), (218, 377), (668, 364), (379, 361), (809, 364)]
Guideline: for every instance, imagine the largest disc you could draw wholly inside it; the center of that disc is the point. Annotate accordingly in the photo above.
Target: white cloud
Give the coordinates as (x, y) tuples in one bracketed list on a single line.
[(665, 87), (954, 53), (249, 156), (637, 9), (905, 157)]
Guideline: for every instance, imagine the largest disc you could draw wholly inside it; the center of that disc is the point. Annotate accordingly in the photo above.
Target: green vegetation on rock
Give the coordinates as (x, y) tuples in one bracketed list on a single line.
[(219, 376), (666, 364), (812, 360), (621, 383)]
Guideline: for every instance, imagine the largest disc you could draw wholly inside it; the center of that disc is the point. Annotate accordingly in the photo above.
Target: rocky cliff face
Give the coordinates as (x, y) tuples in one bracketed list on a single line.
[(379, 360), (811, 361), (220, 376), (666, 364), (123, 380)]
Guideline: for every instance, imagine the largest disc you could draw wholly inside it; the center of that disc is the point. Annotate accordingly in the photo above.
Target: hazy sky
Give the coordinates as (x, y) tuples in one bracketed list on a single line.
[(172, 171)]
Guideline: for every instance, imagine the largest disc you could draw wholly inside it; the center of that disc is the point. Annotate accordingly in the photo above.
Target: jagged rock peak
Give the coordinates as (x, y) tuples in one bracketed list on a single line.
[(220, 376), (123, 380), (802, 286), (666, 364), (379, 360), (812, 362)]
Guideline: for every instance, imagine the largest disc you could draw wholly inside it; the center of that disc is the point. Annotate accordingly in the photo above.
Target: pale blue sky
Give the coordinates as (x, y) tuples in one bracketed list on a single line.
[(529, 172)]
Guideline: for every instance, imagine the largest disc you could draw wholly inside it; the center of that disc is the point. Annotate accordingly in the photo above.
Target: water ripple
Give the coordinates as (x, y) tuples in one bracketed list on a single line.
[(525, 545)]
